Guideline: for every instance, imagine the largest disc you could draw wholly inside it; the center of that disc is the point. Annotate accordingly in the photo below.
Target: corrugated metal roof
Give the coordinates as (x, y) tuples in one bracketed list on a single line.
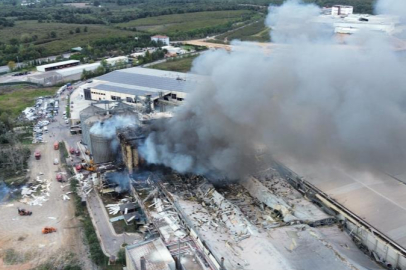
[(59, 63), (143, 80), (124, 90)]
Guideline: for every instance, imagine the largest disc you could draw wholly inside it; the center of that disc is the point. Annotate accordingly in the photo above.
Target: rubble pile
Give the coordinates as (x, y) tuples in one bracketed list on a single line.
[(36, 194), (224, 211)]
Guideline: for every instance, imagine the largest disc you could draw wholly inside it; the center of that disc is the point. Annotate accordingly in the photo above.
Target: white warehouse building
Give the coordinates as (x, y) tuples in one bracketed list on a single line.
[(132, 85)]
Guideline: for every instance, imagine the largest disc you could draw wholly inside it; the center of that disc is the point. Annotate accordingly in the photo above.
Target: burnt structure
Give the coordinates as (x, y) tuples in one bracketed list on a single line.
[(130, 138)]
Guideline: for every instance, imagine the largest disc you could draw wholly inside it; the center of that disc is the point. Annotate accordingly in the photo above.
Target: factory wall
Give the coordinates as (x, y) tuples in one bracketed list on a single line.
[(97, 94), (379, 248)]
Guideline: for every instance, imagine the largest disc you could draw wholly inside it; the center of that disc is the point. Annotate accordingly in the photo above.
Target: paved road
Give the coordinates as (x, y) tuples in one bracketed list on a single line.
[(111, 242)]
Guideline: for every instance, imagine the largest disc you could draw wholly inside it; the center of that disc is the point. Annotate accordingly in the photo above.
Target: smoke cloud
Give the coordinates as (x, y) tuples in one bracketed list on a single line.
[(309, 100), (391, 7), (109, 127)]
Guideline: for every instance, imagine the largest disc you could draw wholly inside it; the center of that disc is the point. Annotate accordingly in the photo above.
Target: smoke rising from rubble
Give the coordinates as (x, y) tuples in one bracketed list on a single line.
[(310, 99), (120, 178)]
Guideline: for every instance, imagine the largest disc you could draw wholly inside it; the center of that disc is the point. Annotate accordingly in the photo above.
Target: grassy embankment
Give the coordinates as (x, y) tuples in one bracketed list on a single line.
[(183, 64)]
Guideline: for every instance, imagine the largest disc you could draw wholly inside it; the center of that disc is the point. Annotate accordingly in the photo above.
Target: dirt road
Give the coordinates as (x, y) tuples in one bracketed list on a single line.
[(21, 236)]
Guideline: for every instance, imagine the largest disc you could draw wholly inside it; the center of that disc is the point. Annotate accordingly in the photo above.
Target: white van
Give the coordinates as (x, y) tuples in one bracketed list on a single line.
[(64, 113), (45, 129)]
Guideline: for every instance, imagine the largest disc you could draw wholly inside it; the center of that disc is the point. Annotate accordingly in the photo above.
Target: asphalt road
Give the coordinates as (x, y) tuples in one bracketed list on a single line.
[(111, 242)]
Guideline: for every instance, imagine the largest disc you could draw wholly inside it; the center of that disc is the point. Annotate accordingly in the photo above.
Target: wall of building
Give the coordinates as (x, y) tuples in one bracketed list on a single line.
[(341, 10)]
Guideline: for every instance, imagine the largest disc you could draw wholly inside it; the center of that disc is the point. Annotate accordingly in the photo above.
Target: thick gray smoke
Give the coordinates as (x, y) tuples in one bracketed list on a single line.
[(120, 178), (309, 99)]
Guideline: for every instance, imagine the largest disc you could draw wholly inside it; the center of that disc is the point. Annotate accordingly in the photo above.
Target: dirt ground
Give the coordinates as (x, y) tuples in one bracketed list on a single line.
[(22, 234)]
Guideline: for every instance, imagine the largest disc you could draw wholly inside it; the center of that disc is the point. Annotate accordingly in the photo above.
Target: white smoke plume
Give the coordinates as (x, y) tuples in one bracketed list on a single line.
[(309, 99), (391, 7), (109, 127)]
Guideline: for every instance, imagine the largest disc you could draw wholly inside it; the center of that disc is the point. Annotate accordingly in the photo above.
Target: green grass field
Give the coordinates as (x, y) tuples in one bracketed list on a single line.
[(14, 99), (254, 32), (179, 65), (64, 41), (168, 24)]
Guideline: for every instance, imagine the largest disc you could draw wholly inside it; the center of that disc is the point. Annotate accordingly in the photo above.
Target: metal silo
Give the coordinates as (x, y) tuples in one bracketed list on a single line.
[(101, 148), (90, 112)]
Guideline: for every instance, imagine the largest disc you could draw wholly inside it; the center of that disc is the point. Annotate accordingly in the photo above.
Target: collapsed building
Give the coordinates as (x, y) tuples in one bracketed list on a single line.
[(274, 217)]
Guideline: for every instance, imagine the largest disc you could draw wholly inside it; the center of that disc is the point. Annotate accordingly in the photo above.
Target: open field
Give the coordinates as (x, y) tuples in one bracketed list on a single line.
[(168, 24), (254, 32), (64, 41), (14, 99), (179, 65)]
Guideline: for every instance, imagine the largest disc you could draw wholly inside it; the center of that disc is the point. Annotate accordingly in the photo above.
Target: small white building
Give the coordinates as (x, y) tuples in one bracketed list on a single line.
[(163, 39), (339, 10)]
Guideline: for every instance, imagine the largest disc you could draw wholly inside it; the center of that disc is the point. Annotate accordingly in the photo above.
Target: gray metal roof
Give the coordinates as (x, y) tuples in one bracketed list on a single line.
[(125, 90), (143, 80)]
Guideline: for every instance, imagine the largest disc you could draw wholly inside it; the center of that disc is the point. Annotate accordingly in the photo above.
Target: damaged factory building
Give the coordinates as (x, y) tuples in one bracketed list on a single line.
[(271, 219)]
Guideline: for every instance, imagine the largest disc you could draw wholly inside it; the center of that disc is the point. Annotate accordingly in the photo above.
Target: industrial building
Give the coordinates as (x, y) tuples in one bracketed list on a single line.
[(151, 254), (99, 145), (68, 70), (353, 23), (133, 85), (340, 10), (281, 215), (59, 65)]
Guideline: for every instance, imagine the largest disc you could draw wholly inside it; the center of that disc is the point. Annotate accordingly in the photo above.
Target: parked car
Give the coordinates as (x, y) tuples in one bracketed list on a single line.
[(56, 161)]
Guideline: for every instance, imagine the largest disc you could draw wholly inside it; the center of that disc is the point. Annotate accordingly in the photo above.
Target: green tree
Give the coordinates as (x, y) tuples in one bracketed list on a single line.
[(53, 34), (11, 65), (14, 41), (77, 30), (85, 29), (71, 32)]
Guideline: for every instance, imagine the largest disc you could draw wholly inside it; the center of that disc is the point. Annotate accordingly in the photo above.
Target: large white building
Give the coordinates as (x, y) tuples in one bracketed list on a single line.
[(163, 39), (339, 10), (132, 85), (58, 65)]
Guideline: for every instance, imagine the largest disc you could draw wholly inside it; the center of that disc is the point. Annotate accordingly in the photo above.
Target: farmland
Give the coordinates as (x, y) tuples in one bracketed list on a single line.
[(256, 31), (65, 34), (180, 64), (175, 24)]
